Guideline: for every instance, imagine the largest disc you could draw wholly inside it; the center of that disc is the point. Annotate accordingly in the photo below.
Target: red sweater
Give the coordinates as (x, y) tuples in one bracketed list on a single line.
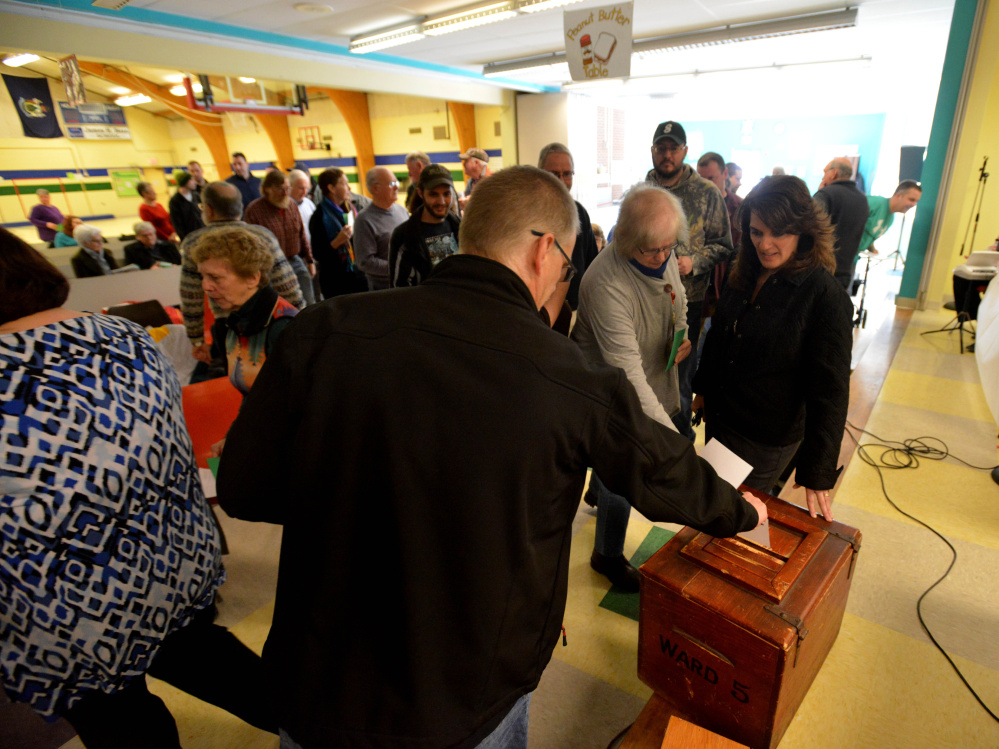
[(158, 217)]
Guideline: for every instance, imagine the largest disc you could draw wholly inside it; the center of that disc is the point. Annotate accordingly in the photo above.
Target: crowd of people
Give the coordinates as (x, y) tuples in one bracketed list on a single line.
[(474, 357)]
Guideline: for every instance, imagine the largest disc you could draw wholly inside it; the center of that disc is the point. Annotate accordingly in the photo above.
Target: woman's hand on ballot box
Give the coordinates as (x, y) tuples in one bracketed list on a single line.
[(817, 498)]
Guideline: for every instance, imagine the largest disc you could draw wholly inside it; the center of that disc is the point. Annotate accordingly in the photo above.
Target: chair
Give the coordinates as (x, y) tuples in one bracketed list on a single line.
[(147, 314), (209, 408)]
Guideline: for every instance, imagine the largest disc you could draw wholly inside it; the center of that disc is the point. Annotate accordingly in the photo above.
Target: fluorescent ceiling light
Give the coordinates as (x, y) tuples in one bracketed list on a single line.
[(536, 6), (384, 39), (16, 61), (469, 19), (244, 79), (731, 34), (128, 101), (174, 78), (120, 90)]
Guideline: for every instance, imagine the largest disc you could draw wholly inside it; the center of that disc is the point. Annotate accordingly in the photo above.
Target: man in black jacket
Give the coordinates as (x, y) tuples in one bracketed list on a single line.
[(425, 553), (556, 159), (148, 249), (848, 210), (430, 234)]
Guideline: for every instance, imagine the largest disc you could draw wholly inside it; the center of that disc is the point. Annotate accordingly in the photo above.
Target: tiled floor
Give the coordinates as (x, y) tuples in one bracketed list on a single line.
[(883, 684)]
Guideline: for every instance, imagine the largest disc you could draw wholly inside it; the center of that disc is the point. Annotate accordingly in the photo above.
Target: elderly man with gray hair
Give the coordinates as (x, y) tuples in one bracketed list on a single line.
[(632, 307), (147, 250), (848, 211), (489, 419), (374, 226)]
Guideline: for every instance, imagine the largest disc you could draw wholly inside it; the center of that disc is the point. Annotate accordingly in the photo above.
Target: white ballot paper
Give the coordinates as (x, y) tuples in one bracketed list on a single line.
[(734, 470), (207, 483)]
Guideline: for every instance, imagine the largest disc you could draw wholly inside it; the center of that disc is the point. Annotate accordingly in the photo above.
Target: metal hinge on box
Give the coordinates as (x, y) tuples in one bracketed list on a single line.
[(856, 548), (794, 621)]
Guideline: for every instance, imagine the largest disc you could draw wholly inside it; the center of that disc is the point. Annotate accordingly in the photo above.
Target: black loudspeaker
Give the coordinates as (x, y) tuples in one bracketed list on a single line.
[(910, 163)]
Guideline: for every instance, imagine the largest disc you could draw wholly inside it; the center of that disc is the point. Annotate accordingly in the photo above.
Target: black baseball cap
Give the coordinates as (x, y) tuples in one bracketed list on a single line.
[(434, 175), (672, 130)]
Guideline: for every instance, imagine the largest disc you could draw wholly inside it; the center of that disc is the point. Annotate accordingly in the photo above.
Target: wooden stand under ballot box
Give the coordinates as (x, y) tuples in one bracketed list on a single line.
[(732, 634)]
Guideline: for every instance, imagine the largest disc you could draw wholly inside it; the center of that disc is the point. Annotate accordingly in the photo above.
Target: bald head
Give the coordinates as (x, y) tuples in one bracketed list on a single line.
[(837, 169), (383, 186), (221, 201)]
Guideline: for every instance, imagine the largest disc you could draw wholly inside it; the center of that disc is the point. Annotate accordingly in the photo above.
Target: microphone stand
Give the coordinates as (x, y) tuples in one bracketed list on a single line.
[(983, 178)]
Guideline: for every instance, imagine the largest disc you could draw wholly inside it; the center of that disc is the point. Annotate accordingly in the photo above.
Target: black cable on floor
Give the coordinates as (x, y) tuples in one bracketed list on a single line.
[(906, 455)]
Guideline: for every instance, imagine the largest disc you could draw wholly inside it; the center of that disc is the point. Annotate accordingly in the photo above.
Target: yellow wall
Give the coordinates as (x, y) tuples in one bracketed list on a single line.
[(158, 142), (979, 137), (150, 149)]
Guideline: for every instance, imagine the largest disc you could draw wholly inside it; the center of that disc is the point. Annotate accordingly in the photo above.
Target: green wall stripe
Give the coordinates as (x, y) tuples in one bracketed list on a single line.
[(936, 151), (55, 189)]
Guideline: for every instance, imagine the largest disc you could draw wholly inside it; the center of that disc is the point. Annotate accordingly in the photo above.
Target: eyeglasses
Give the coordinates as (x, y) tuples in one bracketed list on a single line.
[(561, 175), (656, 250), (569, 268), (664, 148)]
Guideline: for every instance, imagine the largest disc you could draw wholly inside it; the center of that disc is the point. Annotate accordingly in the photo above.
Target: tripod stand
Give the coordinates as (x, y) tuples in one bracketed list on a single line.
[(897, 254), (964, 286), (983, 178)]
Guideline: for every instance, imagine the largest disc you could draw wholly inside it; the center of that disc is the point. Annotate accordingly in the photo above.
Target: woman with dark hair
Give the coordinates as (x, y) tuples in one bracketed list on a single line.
[(774, 378), (64, 237), (331, 228), (111, 555)]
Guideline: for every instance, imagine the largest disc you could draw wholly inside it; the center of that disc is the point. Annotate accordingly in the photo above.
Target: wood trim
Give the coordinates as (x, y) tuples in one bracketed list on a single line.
[(353, 105), (276, 127), (464, 124), (208, 125)]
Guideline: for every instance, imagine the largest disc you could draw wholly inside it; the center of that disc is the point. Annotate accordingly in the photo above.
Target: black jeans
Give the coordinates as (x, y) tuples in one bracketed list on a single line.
[(202, 659)]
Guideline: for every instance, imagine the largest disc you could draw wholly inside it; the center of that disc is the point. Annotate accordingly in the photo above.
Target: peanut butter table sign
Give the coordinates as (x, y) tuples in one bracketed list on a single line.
[(598, 42)]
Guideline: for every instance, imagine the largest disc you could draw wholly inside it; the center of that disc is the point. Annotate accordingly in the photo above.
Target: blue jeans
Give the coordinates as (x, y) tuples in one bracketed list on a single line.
[(511, 733), (613, 511), (304, 279)]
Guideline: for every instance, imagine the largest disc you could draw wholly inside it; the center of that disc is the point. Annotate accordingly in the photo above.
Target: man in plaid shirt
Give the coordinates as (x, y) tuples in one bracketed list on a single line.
[(276, 212)]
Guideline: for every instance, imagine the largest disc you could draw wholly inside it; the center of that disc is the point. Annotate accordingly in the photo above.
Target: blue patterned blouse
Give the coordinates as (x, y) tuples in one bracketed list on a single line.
[(106, 541)]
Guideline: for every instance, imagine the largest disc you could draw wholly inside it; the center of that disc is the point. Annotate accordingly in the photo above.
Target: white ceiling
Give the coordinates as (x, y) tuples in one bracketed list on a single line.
[(900, 36)]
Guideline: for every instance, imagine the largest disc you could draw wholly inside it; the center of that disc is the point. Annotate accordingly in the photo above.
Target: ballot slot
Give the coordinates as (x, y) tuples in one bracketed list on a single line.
[(769, 573)]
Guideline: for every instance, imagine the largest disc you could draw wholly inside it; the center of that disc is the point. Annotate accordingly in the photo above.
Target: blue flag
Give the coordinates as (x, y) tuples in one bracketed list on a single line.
[(33, 102)]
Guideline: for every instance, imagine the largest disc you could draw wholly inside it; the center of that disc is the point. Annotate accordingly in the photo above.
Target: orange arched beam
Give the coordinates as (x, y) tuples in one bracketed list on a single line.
[(353, 105), (208, 125), (276, 126), (464, 124)]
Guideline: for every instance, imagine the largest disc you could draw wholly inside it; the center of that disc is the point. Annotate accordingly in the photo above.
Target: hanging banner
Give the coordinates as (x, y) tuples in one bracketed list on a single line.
[(598, 42), (95, 122), (71, 79), (33, 102)]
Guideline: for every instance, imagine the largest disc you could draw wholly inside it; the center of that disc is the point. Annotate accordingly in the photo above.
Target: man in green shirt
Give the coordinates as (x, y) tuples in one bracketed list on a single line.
[(883, 211)]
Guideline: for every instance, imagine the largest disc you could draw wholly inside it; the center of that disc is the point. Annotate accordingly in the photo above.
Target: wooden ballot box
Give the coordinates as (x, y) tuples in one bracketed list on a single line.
[(732, 634)]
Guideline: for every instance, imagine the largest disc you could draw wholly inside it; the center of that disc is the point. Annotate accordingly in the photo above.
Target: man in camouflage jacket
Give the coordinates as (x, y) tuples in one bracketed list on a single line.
[(710, 237)]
